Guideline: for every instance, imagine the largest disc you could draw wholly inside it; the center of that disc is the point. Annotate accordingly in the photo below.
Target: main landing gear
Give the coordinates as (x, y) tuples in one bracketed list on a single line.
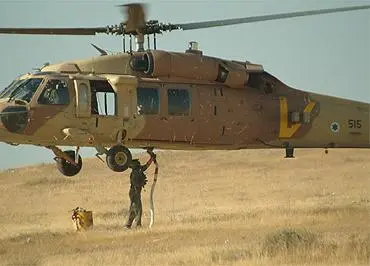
[(69, 163), (118, 158), (67, 168)]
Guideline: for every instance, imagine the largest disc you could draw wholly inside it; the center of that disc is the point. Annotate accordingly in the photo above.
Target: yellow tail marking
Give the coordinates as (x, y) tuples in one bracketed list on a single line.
[(285, 131), (309, 107)]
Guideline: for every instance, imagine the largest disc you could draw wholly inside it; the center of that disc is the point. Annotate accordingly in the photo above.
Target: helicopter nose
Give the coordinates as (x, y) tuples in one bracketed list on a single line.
[(13, 119), (2, 107), (2, 127)]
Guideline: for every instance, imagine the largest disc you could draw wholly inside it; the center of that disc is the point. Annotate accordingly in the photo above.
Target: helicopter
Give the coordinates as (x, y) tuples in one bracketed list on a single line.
[(146, 98)]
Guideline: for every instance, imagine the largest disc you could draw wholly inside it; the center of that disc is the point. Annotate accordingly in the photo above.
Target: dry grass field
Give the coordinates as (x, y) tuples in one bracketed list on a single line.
[(247, 207)]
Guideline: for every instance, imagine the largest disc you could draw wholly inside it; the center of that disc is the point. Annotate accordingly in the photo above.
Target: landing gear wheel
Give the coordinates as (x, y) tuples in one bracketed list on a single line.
[(68, 169), (119, 158)]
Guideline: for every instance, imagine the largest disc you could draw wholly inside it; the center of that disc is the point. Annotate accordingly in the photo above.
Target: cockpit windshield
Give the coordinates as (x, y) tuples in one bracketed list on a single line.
[(11, 85), (22, 89)]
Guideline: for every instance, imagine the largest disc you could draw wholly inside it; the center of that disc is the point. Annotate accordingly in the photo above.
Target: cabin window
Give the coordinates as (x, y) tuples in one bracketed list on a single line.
[(55, 93), (103, 98), (147, 101), (178, 102)]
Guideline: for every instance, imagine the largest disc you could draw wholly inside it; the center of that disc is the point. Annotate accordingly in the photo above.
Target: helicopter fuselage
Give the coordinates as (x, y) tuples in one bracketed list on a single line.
[(109, 100), (170, 100)]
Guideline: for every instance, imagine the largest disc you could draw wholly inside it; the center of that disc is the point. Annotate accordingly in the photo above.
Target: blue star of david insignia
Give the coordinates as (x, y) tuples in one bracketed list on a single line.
[(334, 127)]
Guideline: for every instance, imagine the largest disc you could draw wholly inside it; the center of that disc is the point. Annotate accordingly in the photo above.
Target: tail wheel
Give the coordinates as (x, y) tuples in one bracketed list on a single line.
[(119, 158), (67, 168)]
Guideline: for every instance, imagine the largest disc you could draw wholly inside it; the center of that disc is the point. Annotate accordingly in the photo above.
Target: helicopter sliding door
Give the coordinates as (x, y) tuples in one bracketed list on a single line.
[(104, 110), (180, 101), (96, 109)]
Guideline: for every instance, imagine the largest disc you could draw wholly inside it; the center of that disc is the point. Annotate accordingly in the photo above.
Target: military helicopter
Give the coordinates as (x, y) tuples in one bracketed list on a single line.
[(169, 100)]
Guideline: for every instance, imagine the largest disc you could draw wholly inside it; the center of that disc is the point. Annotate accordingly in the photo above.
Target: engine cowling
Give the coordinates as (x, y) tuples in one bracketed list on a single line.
[(190, 66)]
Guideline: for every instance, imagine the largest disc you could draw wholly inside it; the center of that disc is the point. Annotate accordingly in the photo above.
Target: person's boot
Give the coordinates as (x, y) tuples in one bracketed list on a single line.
[(128, 224), (127, 227), (138, 221)]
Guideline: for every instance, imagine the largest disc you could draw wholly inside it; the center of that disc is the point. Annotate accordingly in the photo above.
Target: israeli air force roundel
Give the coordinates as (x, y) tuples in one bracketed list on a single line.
[(335, 127)]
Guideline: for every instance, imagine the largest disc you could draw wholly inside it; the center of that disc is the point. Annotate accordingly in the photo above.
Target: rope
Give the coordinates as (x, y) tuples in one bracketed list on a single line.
[(152, 193)]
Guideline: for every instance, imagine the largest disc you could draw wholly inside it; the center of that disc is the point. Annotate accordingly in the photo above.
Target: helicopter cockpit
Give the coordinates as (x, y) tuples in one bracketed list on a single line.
[(55, 91), (17, 101), (22, 89)]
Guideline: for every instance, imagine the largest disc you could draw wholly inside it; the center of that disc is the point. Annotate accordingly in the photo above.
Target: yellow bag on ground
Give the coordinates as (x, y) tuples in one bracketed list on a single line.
[(82, 219)]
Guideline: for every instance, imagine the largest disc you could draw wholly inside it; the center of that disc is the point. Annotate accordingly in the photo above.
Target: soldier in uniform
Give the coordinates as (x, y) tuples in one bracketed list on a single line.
[(138, 181)]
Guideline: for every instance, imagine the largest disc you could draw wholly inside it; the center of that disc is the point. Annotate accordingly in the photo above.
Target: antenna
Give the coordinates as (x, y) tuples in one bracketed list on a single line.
[(124, 43), (130, 43), (155, 41)]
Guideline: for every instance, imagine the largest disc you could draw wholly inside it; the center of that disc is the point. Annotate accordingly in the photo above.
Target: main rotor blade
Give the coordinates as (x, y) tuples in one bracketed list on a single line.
[(54, 31), (227, 22)]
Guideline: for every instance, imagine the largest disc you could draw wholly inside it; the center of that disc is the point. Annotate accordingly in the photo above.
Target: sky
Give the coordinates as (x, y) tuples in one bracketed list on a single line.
[(327, 54)]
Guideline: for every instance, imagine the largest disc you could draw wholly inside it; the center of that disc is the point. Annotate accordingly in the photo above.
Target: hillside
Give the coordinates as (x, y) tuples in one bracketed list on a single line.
[(247, 207)]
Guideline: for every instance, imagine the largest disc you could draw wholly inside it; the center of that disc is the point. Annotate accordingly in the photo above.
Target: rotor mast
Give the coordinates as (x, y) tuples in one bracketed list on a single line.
[(135, 23)]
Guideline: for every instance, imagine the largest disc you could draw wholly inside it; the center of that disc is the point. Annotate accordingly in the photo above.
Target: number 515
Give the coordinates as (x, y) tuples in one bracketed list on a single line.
[(354, 123)]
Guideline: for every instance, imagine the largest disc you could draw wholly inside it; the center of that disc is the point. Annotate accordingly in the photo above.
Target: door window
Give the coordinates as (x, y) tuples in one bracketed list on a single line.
[(103, 98), (147, 101), (83, 97), (178, 102)]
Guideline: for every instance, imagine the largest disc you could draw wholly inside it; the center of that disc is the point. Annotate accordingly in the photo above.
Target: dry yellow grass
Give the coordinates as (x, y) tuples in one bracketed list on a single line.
[(213, 208)]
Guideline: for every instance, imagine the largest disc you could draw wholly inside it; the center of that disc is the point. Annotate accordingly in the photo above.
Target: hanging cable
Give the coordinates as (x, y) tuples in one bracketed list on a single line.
[(151, 203)]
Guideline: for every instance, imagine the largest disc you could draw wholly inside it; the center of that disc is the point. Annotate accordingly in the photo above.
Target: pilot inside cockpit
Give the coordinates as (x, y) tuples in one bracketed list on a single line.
[(55, 93)]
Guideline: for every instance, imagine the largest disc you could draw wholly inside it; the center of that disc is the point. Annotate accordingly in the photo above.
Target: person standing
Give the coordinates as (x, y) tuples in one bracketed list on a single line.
[(137, 181)]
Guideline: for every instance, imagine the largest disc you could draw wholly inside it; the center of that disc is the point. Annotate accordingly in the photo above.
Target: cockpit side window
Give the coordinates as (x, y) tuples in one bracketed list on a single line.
[(55, 93)]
